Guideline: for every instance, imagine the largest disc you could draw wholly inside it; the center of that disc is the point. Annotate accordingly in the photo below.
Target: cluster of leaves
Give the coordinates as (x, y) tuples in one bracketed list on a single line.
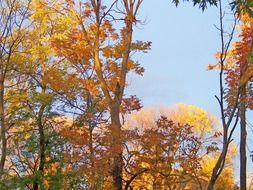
[(165, 154), (169, 149), (239, 6), (238, 67), (202, 3)]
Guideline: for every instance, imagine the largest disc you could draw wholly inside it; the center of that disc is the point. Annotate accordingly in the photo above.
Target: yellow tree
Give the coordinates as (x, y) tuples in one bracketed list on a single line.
[(35, 126), (13, 16)]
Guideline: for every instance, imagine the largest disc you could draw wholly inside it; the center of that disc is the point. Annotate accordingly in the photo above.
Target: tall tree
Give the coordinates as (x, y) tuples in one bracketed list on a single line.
[(228, 110), (13, 14), (240, 74), (108, 51), (36, 102)]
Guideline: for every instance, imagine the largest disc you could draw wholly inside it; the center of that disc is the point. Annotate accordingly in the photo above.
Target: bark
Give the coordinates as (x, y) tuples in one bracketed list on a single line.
[(218, 167), (117, 145), (93, 186), (42, 146), (3, 127), (243, 157)]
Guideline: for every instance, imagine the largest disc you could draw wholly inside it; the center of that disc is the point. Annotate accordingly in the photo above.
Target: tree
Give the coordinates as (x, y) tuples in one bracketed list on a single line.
[(239, 76), (204, 128), (167, 156), (239, 7), (34, 137), (228, 109), (107, 51), (236, 63), (12, 20)]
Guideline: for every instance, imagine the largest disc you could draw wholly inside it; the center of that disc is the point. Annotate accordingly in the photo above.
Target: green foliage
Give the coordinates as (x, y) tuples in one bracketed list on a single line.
[(240, 6), (203, 4), (243, 6)]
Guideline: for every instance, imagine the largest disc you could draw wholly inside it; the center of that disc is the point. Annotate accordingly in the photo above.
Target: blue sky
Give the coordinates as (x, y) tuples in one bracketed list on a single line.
[(184, 40)]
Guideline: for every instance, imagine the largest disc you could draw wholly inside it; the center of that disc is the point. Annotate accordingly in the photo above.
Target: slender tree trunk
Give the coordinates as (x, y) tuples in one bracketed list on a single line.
[(220, 163), (42, 147), (215, 171), (117, 147), (94, 184), (3, 127), (243, 157)]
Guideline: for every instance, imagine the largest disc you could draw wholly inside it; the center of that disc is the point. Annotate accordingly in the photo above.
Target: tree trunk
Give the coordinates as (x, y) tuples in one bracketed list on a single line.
[(220, 163), (94, 184), (243, 157), (42, 147), (117, 147), (3, 127)]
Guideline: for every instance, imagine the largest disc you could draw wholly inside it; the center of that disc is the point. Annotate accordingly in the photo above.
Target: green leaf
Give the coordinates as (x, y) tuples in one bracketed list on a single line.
[(203, 4)]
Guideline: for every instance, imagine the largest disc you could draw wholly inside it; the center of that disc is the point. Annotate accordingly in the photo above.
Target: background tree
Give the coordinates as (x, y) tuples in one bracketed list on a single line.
[(201, 125)]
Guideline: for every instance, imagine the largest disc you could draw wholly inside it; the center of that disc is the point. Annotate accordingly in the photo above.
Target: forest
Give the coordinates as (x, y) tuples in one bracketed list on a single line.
[(67, 122)]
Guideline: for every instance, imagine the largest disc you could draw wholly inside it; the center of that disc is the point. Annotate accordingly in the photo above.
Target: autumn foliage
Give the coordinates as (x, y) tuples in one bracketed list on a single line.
[(66, 119)]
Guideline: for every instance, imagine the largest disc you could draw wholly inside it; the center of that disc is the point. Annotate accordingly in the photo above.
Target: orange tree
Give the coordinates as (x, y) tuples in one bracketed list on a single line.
[(103, 43), (239, 79), (235, 66)]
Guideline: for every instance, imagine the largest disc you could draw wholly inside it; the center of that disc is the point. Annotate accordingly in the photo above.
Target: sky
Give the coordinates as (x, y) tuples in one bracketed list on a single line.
[(184, 40)]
